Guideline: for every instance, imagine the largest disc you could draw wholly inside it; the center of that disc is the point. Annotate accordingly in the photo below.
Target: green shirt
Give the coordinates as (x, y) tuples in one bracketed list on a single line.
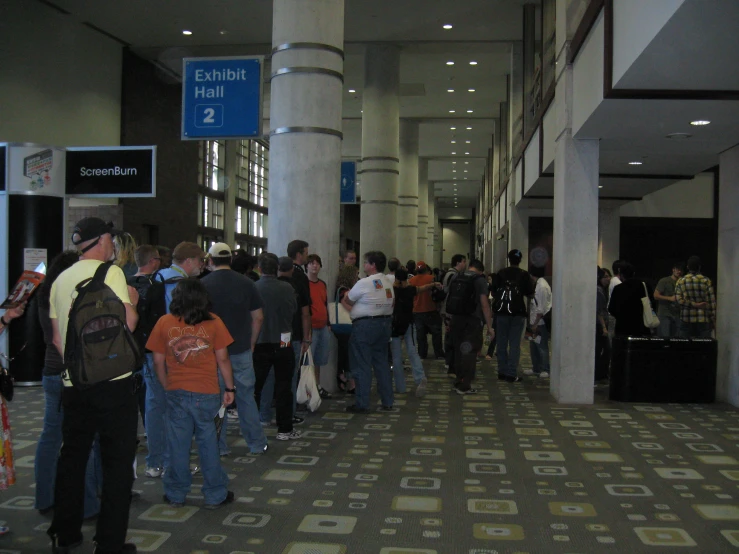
[(665, 308)]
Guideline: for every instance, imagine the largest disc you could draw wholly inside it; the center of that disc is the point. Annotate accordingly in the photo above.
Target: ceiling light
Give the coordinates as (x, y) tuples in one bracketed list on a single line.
[(636, 163), (451, 111), (600, 186), (466, 162), (453, 153), (186, 32), (465, 177), (450, 90), (465, 171), (473, 62), (467, 141), (454, 142), (450, 63), (224, 32), (700, 122), (453, 128), (469, 128), (447, 26), (454, 170), (352, 90), (679, 136), (467, 153), (454, 162), (469, 111), (470, 90)]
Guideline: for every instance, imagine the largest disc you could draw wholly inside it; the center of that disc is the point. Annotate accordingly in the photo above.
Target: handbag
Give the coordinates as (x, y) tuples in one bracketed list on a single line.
[(307, 392), (6, 384), (651, 321), (339, 318)]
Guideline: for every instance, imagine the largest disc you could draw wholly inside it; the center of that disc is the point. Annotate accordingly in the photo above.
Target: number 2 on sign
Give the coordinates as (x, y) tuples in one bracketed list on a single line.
[(209, 115)]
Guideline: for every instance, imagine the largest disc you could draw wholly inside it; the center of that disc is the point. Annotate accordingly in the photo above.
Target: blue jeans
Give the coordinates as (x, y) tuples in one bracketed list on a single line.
[(244, 379), (156, 417), (191, 413), (668, 326), (540, 352), (368, 344), (47, 452), (509, 331), (694, 330), (396, 346)]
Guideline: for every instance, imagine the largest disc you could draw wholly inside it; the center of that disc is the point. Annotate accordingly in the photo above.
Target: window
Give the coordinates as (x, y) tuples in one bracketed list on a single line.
[(252, 195), (211, 199)]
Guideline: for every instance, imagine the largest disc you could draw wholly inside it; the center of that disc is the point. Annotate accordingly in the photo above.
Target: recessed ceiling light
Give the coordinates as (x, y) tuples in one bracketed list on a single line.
[(453, 153), (454, 162), (447, 26), (600, 186), (450, 90), (466, 162), (469, 128), (352, 90), (700, 122), (679, 136), (186, 32), (465, 171), (636, 163), (454, 170), (473, 62), (450, 63), (467, 141), (454, 142), (453, 128), (223, 32), (451, 111), (469, 111), (465, 177), (470, 90), (467, 153)]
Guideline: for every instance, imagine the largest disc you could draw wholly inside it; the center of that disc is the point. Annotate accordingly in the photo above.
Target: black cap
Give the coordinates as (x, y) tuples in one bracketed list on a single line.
[(91, 228)]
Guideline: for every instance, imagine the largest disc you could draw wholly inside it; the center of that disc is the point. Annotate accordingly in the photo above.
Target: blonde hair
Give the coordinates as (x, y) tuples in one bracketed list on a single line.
[(125, 249)]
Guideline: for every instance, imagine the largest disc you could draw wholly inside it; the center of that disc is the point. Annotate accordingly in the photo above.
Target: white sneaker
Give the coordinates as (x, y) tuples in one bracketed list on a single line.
[(544, 375), (194, 468), (232, 414), (528, 372), (153, 472), (292, 435)]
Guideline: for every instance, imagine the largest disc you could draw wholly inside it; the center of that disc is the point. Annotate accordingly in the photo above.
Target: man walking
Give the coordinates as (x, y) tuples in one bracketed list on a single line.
[(511, 284), (459, 265), (694, 293), (235, 299), (668, 310), (425, 315)]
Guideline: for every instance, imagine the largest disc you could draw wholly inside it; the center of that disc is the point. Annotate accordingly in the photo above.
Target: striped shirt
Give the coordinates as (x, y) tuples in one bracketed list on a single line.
[(692, 289)]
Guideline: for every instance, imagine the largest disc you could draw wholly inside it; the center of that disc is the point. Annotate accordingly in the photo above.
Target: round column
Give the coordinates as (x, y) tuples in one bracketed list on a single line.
[(305, 127), (407, 239), (423, 207), (380, 156)]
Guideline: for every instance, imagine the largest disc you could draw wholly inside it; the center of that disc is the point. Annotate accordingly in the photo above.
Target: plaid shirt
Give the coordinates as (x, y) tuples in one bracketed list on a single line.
[(692, 289)]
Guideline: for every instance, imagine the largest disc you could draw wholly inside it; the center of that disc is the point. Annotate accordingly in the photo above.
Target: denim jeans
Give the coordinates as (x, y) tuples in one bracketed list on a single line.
[(509, 331), (695, 330), (416, 363), (540, 352), (668, 326), (369, 345), (244, 380), (47, 452), (191, 413), (156, 417)]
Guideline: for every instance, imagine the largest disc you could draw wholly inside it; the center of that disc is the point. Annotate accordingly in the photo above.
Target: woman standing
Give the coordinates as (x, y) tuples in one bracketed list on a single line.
[(125, 247)]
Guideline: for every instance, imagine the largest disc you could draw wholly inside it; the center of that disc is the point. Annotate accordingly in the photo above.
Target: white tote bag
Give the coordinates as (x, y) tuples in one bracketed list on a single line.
[(651, 321), (307, 388)]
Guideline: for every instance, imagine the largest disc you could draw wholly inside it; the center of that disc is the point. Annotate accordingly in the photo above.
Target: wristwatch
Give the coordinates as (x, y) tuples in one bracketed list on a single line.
[(230, 390)]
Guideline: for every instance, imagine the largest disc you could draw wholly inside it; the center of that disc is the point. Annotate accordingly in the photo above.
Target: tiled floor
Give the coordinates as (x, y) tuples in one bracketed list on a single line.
[(507, 470)]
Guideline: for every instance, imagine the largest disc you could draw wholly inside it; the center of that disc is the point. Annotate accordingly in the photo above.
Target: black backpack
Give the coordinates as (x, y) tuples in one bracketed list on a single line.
[(99, 346), (462, 298), (508, 299), (152, 303)]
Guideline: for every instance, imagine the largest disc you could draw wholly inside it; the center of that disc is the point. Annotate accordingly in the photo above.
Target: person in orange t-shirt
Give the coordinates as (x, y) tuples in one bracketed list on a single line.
[(426, 317), (189, 346), (319, 319)]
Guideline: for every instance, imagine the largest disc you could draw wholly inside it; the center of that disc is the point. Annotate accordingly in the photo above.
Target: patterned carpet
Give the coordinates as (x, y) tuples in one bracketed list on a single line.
[(507, 470)]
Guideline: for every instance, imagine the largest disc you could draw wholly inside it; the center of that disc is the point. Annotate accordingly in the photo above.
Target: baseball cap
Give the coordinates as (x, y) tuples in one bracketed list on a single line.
[(91, 228), (219, 250), (284, 263), (421, 265), (185, 250)]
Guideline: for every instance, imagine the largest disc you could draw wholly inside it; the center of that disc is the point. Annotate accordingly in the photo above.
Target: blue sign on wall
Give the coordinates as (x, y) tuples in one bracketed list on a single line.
[(348, 182), (222, 98)]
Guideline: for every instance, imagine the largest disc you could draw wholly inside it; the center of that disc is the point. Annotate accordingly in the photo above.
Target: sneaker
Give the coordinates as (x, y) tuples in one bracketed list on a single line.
[(292, 435), (268, 423), (194, 468), (510, 379), (262, 451), (232, 414), (528, 372), (297, 420), (387, 408), (323, 393), (467, 391), (421, 389), (172, 503), (353, 409), (229, 498), (225, 453), (446, 366), (544, 375), (153, 472)]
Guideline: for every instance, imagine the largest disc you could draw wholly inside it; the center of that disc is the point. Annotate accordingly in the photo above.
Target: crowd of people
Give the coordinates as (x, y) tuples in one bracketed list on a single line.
[(224, 329)]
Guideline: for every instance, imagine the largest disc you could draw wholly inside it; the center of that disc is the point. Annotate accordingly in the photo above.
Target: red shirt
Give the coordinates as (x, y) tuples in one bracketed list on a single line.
[(422, 302), (318, 309)]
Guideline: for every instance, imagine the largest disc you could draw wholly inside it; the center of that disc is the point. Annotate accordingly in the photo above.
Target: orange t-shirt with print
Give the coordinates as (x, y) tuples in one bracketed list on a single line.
[(190, 352), (422, 302)]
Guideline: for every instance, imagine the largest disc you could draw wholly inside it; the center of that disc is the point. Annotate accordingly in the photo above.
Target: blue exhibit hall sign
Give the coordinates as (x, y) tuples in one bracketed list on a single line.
[(348, 182), (222, 98)]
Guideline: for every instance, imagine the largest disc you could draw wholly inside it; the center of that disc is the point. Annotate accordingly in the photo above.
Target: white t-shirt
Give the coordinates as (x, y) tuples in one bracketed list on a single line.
[(542, 301), (614, 281), (372, 296)]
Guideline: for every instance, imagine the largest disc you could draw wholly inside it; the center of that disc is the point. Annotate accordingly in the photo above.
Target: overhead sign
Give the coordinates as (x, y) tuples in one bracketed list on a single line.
[(222, 98), (125, 171), (348, 182), (35, 169), (3, 167)]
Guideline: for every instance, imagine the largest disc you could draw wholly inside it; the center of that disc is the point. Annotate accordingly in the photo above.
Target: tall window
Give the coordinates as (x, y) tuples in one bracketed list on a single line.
[(211, 199), (252, 196)]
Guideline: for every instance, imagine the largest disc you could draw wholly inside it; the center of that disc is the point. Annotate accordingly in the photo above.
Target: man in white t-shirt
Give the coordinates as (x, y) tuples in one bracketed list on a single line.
[(370, 303), (615, 280), (541, 305)]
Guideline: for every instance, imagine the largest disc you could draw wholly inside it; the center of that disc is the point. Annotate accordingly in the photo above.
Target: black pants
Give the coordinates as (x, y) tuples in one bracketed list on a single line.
[(602, 355), (448, 344), (108, 409), (467, 338), (269, 355), (428, 322), (342, 361)]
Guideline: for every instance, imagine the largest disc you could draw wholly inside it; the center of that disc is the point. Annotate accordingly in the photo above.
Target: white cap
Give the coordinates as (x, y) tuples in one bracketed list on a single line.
[(219, 250)]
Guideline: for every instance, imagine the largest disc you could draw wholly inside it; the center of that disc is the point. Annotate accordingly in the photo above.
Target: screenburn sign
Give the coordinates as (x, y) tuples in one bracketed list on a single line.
[(222, 98)]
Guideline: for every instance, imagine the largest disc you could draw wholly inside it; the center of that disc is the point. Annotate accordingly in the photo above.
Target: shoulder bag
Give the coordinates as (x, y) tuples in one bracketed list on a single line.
[(339, 318), (651, 321)]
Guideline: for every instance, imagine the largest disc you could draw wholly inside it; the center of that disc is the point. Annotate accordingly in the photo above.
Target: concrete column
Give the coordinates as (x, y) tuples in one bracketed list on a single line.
[(423, 208), (609, 236), (380, 129), (407, 239), (518, 230), (575, 253), (431, 229), (305, 132), (727, 325)]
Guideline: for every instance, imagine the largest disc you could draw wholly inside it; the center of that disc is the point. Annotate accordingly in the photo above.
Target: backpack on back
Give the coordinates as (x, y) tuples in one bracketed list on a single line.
[(152, 303), (508, 298), (462, 297), (99, 346)]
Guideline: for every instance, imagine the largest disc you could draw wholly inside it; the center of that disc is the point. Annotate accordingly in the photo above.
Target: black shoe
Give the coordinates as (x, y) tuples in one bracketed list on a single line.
[(127, 548), (502, 377), (57, 548), (353, 409), (166, 500), (352, 391), (297, 420), (44, 511), (324, 394), (229, 498), (462, 392), (509, 379), (387, 408)]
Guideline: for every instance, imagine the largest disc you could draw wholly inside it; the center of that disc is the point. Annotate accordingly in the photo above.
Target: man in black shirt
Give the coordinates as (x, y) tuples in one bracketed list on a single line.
[(297, 250), (511, 285)]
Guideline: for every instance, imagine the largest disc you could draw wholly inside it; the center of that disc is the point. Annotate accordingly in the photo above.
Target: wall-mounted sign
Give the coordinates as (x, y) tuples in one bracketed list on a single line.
[(35, 169), (111, 171), (348, 182), (222, 97)]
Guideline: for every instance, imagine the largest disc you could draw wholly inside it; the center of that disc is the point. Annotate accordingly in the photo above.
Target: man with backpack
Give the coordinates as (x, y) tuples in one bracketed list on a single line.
[(467, 305), (92, 311), (511, 285), (459, 265)]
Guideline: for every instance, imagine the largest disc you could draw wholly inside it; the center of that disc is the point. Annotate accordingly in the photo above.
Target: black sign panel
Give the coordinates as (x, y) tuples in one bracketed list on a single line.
[(3, 166), (124, 171)]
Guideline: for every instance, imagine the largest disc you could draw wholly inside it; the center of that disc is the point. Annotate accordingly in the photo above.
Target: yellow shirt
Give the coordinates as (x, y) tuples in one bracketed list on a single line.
[(63, 293)]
